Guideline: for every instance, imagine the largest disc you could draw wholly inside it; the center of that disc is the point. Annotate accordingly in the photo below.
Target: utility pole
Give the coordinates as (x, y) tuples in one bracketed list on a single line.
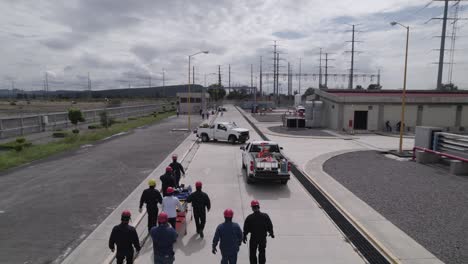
[(219, 76), (320, 69), (351, 72), (300, 74), (289, 79), (261, 77), (149, 81), (277, 76), (193, 74), (274, 69), (442, 47), (229, 78), (378, 78), (251, 77), (326, 69), (47, 85), (89, 86), (164, 83)]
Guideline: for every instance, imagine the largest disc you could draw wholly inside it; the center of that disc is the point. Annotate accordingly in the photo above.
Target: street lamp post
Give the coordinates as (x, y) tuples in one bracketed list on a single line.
[(189, 94), (403, 97)]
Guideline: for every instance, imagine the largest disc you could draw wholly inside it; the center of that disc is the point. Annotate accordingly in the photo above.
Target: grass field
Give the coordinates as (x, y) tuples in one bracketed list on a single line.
[(14, 158), (43, 106)]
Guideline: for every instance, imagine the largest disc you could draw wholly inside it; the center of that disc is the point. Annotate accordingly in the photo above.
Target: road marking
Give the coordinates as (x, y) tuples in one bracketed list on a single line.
[(116, 135)]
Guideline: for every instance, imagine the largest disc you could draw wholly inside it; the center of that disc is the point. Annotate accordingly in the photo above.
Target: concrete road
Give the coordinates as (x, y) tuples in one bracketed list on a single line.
[(47, 208), (304, 234)]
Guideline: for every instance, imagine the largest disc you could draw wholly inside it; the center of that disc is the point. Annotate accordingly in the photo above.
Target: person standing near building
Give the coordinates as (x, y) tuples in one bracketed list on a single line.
[(258, 224), (125, 237), (200, 203), (167, 180), (151, 197), (229, 234), (170, 205), (177, 169), (163, 237)]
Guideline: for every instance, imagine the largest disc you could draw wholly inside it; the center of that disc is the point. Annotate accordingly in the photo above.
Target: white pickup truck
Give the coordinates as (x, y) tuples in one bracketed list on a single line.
[(223, 131), (262, 160)]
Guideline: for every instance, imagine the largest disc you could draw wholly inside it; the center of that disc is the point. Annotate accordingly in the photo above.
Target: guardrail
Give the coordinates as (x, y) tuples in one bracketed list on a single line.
[(28, 124), (454, 144)]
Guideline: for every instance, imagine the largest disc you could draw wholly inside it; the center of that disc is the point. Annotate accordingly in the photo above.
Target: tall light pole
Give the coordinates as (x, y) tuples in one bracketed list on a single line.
[(403, 97), (188, 99)]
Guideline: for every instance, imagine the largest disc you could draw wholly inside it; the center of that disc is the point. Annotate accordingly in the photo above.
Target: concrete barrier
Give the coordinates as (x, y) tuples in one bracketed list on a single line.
[(426, 157), (458, 167)]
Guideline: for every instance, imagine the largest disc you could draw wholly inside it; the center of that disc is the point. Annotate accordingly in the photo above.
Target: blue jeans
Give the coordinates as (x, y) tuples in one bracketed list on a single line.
[(229, 259), (163, 259)]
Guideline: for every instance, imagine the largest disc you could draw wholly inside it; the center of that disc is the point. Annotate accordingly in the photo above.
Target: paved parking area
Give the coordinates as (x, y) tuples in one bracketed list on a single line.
[(300, 131), (424, 201)]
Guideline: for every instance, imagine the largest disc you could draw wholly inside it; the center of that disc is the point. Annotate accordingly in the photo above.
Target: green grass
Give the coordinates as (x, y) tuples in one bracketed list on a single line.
[(14, 158)]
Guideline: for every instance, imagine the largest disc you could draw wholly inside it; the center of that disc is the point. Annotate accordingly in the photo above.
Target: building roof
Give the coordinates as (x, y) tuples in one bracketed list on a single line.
[(394, 96)]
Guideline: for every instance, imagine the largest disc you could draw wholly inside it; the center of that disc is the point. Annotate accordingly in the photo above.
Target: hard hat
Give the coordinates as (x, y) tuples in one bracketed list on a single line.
[(170, 190), (126, 215), (228, 213), (168, 169), (198, 184), (174, 157), (163, 218), (254, 203), (152, 182)]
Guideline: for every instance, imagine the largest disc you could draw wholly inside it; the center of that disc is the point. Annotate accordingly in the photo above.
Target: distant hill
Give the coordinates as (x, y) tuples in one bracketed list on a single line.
[(158, 91)]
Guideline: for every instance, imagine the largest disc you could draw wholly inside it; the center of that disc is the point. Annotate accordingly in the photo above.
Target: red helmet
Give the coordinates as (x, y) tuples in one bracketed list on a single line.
[(168, 169), (174, 157), (254, 203), (126, 215), (170, 190), (198, 184), (163, 218), (228, 213)]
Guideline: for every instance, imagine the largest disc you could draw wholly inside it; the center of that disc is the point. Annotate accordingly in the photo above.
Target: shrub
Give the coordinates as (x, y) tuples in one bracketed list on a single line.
[(59, 134), (76, 131), (20, 140), (94, 126), (132, 118), (75, 116), (107, 121), (18, 147)]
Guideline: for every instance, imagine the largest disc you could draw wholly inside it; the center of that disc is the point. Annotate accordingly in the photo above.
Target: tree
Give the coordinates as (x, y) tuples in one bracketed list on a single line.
[(309, 91), (75, 116), (374, 86), (216, 92), (449, 87)]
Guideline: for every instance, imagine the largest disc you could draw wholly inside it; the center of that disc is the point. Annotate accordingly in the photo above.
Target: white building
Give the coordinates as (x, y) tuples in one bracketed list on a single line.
[(370, 110), (196, 102)]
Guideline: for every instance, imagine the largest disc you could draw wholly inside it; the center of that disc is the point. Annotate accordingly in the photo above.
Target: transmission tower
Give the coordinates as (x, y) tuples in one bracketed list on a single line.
[(353, 51)]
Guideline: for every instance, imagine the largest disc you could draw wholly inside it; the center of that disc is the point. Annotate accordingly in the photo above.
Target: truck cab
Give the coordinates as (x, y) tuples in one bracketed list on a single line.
[(224, 131)]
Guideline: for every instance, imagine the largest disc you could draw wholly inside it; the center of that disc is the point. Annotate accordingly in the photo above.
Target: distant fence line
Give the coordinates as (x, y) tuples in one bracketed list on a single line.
[(28, 124)]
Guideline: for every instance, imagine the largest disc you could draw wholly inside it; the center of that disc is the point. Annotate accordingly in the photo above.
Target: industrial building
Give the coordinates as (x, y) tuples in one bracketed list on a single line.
[(196, 102), (370, 110)]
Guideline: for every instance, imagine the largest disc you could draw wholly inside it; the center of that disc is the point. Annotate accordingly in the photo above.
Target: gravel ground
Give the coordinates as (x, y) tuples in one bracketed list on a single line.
[(300, 131), (426, 202)]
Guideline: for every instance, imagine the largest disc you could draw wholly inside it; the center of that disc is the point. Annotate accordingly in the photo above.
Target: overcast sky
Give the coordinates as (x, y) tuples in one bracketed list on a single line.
[(122, 42)]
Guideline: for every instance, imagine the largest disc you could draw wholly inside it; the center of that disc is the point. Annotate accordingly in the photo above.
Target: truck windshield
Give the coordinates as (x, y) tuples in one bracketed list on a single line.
[(269, 148)]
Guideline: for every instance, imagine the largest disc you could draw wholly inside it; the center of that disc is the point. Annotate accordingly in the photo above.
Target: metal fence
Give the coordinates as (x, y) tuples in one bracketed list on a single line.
[(451, 143), (28, 124)]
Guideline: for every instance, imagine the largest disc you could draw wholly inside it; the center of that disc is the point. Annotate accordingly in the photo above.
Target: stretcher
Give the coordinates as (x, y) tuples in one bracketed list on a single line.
[(182, 214)]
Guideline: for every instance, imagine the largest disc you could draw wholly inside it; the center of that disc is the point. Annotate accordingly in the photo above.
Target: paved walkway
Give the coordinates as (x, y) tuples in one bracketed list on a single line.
[(304, 234)]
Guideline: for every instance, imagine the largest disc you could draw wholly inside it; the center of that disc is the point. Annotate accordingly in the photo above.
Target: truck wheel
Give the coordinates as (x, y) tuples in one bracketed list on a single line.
[(205, 138), (232, 139), (249, 180)]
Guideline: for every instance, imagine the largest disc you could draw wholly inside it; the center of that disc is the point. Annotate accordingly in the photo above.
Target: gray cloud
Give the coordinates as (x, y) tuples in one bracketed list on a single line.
[(288, 34)]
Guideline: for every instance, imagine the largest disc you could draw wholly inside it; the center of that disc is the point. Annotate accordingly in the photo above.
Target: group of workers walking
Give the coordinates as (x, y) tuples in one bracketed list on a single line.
[(161, 226)]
